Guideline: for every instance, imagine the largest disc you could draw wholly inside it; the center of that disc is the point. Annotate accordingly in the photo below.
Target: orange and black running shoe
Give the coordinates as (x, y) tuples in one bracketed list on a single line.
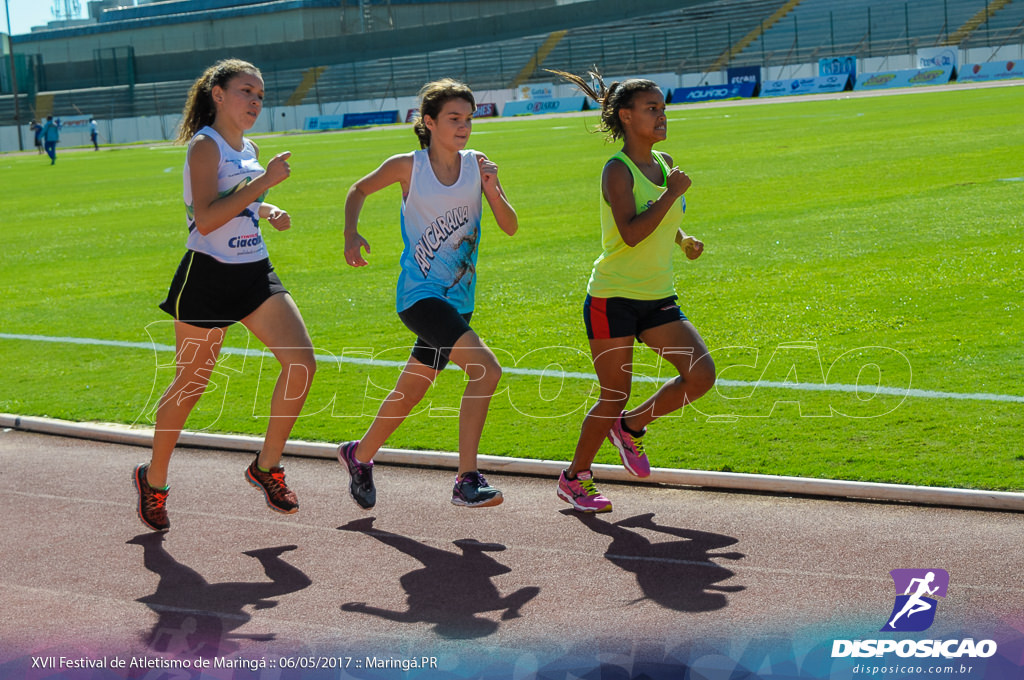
[(152, 502), (279, 497)]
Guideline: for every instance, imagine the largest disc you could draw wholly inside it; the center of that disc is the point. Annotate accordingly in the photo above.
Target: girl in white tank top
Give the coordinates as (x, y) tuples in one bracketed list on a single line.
[(239, 239), (224, 190)]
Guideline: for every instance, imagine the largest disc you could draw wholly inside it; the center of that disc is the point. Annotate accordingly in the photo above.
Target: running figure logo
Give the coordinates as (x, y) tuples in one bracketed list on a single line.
[(915, 607)]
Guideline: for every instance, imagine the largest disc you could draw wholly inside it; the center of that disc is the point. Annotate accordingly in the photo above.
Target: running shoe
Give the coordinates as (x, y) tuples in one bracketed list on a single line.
[(581, 493), (472, 491), (360, 485), (152, 502), (631, 450), (279, 497)]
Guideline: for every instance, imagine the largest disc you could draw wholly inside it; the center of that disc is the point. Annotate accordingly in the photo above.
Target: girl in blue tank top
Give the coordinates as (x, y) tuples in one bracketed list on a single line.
[(441, 185)]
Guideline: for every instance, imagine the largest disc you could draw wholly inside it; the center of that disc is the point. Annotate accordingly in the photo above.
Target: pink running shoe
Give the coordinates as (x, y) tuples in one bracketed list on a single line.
[(581, 493), (631, 450)]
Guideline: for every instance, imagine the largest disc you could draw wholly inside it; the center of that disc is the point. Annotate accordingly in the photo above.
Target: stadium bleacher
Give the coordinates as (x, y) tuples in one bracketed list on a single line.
[(817, 28), (696, 39), (1004, 27)]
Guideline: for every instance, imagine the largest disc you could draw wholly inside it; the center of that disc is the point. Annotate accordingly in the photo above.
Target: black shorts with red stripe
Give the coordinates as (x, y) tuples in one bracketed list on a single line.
[(619, 317)]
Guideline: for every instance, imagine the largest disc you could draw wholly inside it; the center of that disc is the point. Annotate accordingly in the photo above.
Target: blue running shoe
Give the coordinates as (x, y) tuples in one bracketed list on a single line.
[(472, 491), (361, 483)]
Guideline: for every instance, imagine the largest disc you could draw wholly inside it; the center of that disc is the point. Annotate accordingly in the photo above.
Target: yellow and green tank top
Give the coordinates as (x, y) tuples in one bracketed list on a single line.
[(643, 272)]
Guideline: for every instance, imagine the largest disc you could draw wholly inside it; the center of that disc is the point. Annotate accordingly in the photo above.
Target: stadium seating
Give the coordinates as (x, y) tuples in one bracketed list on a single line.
[(819, 28), (696, 40), (1004, 27)]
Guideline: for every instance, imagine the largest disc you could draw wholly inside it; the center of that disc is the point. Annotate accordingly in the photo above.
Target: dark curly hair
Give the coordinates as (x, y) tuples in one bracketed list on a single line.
[(612, 98)]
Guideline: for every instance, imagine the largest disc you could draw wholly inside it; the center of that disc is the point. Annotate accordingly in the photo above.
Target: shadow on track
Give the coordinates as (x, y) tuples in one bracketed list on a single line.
[(430, 598), (678, 575), (195, 617)]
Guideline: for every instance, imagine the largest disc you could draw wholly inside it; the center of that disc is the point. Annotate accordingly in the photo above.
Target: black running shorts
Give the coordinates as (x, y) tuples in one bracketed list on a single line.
[(438, 326), (212, 294)]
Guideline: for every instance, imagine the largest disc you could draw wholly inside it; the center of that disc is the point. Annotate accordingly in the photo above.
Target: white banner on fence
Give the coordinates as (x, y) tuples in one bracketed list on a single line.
[(537, 91), (928, 57), (75, 122)]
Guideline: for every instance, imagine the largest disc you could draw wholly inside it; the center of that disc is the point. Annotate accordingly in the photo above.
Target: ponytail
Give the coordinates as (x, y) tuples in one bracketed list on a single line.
[(611, 98)]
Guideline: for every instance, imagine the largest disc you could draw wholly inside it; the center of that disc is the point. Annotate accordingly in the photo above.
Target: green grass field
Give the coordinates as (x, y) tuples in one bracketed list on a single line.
[(868, 240)]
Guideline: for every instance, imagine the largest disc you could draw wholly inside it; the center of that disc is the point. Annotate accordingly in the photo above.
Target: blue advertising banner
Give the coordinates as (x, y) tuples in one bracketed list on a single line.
[(781, 88), (1001, 70), (350, 120), (707, 93), (529, 107), (745, 74), (324, 123), (833, 66), (371, 118), (939, 75)]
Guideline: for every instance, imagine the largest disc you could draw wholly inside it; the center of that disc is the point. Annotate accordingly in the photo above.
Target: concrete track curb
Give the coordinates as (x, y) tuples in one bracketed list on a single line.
[(965, 498)]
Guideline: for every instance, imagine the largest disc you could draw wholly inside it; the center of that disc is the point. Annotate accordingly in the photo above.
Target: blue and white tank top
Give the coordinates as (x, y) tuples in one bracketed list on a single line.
[(441, 231), (239, 240)]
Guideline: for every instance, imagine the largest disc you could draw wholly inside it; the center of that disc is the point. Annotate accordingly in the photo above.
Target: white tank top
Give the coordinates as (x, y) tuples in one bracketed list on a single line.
[(441, 231), (238, 240)]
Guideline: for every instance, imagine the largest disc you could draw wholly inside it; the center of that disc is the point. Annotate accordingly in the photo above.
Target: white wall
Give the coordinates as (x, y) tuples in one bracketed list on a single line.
[(273, 119), (982, 55)]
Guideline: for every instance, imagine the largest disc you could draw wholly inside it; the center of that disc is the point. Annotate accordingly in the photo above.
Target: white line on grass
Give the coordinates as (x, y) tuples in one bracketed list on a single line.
[(330, 358)]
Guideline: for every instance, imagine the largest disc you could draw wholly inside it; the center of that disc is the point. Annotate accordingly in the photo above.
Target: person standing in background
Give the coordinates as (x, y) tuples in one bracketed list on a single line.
[(37, 133), (51, 135)]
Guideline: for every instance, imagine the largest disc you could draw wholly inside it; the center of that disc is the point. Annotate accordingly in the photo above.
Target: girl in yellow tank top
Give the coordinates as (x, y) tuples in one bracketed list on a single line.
[(642, 271), (630, 293)]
